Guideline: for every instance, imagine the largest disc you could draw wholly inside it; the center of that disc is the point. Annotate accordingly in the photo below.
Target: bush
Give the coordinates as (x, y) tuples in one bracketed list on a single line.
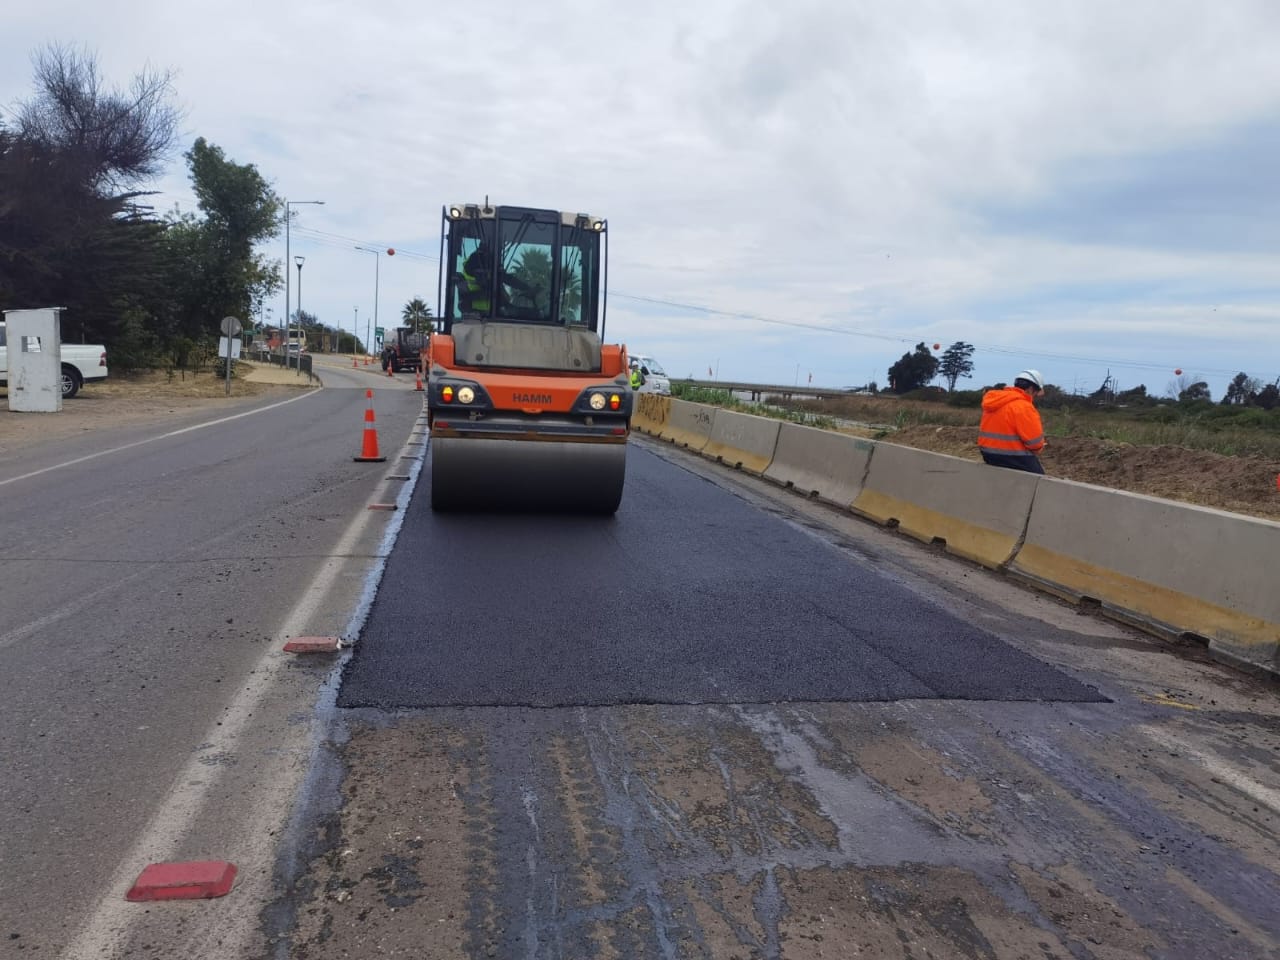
[(965, 398), (686, 391), (136, 347)]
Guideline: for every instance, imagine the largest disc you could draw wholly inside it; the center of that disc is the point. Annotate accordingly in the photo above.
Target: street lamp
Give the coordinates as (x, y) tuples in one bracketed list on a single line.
[(288, 205), (299, 260), (377, 259), (355, 331)]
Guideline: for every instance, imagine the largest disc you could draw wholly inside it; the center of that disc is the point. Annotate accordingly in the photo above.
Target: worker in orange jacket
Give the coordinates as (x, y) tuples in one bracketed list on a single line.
[(1011, 433)]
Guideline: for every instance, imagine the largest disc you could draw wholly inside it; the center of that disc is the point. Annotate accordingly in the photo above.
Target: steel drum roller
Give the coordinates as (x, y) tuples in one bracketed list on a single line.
[(526, 475)]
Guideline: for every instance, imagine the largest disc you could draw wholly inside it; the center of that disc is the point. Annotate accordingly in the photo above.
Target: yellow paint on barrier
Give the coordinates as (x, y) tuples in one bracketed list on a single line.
[(1252, 639), (751, 462), (655, 409), (695, 438), (965, 539)]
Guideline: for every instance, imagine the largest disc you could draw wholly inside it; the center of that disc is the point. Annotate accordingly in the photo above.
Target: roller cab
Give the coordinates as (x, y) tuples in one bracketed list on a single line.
[(528, 408)]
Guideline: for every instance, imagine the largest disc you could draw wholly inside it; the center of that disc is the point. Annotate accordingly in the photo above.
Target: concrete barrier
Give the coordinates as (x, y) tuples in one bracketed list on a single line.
[(688, 424), (1179, 568), (980, 512), (743, 441), (651, 413), (820, 463)]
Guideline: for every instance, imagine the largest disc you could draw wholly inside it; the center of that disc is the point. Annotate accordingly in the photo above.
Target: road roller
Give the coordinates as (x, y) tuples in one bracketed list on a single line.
[(528, 408)]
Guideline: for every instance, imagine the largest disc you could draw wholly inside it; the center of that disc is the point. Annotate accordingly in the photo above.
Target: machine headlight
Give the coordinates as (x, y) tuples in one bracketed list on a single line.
[(455, 212), (598, 226), (446, 394), (597, 401), (466, 394)]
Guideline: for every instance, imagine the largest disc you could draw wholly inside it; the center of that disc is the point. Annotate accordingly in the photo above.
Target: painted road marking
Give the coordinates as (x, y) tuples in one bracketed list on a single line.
[(163, 436)]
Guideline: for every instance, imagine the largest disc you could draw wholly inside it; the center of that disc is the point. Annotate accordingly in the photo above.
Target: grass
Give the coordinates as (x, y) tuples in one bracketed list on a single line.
[(1195, 432), (723, 398), (1230, 431)]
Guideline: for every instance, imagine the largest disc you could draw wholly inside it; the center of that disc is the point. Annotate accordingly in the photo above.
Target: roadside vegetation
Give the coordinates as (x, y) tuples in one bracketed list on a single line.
[(78, 160), (1227, 429), (723, 398), (1245, 422)]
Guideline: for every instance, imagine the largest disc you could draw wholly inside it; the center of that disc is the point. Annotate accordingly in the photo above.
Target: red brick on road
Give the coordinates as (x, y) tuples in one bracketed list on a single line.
[(190, 880), (313, 645)]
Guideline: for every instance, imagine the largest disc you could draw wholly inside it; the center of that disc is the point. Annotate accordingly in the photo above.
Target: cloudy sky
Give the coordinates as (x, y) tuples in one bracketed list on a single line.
[(793, 189)]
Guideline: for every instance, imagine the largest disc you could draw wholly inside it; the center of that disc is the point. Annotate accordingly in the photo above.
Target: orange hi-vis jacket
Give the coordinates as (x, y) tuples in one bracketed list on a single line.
[(1010, 423)]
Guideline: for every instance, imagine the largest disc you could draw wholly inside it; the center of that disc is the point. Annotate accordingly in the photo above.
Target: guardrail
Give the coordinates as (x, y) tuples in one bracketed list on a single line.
[(302, 363), (1174, 569), (758, 390)]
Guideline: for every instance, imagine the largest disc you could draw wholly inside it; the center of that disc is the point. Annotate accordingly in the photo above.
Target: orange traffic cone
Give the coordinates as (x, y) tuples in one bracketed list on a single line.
[(369, 450), (354, 362), (391, 370), (417, 378)]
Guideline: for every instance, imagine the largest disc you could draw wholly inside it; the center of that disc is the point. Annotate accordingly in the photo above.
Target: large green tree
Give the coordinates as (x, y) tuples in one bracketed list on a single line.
[(217, 271), (1243, 390), (913, 370), (75, 231), (1194, 391), (957, 362), (416, 314)]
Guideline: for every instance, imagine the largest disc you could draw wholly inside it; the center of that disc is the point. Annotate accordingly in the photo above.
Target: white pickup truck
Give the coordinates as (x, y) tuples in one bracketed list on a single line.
[(655, 379), (80, 364)]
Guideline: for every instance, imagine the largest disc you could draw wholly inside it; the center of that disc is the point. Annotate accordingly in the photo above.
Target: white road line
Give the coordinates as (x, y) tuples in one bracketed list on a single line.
[(1256, 791), (163, 436), (109, 925)]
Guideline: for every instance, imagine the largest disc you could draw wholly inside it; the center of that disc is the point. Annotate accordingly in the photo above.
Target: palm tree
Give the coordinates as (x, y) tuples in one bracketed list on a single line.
[(415, 312)]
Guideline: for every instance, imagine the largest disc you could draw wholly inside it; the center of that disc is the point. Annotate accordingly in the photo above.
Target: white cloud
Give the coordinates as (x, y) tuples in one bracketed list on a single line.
[(811, 162)]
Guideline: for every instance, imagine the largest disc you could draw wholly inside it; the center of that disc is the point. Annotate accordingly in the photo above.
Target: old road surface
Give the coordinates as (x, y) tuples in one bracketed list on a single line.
[(726, 723)]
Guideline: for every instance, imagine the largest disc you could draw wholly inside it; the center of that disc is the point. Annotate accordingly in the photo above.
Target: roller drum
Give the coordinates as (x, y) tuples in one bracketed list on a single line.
[(470, 473)]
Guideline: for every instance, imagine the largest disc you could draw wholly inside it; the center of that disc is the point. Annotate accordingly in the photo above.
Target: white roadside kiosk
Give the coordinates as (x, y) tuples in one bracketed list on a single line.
[(33, 355)]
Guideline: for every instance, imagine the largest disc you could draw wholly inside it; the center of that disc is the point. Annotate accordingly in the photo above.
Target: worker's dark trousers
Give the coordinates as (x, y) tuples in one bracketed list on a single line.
[(1014, 461)]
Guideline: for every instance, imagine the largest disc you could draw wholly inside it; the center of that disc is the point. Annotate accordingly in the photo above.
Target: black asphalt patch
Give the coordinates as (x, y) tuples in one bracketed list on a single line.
[(687, 595)]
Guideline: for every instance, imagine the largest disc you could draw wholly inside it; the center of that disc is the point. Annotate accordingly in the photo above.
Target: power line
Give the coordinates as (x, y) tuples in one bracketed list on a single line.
[(338, 240), (845, 331)]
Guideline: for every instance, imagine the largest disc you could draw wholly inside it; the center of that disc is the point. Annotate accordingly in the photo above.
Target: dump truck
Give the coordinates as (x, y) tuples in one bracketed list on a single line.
[(528, 408), (405, 352)]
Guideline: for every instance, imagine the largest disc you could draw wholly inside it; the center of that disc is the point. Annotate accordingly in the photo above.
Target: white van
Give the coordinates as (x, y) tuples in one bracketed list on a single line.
[(655, 378)]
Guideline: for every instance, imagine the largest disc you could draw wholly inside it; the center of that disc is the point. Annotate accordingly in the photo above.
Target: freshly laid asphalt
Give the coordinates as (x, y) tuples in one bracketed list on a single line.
[(687, 595)]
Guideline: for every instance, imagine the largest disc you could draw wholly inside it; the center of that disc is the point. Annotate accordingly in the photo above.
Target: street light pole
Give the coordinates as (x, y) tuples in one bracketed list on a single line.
[(299, 260), (355, 330), (377, 260), (288, 207)]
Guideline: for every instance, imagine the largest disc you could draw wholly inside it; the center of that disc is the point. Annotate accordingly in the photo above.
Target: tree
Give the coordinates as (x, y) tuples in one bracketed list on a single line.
[(114, 139), (71, 234), (1269, 396), (533, 270), (216, 272), (913, 370), (570, 294), (1242, 390), (1134, 395), (957, 362), (1195, 391), (416, 314)]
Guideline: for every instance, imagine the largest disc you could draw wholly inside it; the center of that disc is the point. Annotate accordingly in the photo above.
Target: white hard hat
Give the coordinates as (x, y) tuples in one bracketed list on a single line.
[(1033, 376)]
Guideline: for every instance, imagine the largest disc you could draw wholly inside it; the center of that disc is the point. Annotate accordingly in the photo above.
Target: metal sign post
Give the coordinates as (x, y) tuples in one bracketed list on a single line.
[(230, 328)]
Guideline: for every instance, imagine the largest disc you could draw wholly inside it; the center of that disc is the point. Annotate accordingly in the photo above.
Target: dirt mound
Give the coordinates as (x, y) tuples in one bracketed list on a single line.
[(1239, 484)]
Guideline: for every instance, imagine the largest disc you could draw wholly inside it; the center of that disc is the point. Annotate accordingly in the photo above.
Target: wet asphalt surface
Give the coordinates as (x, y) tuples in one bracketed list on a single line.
[(721, 726), (687, 595)]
